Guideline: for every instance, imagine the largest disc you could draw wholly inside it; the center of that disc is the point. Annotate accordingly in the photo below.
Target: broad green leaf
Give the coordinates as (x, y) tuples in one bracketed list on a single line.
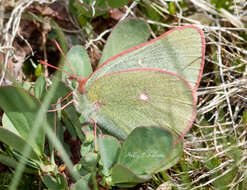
[(7, 124), (21, 109), (109, 149), (90, 161), (125, 35), (79, 62), (82, 184), (17, 143), (123, 175), (149, 149)]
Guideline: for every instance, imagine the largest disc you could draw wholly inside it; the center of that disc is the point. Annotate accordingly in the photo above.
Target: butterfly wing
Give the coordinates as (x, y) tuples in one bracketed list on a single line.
[(122, 101), (180, 50)]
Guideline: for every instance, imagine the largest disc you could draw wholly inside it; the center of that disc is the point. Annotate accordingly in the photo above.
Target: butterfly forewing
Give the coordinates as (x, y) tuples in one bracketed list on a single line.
[(125, 100), (180, 51)]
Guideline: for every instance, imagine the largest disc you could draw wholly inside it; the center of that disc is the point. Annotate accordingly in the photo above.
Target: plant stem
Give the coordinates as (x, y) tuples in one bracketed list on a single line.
[(95, 185)]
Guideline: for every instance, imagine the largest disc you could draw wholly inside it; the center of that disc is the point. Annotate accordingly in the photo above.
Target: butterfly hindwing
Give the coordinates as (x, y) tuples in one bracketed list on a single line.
[(125, 100)]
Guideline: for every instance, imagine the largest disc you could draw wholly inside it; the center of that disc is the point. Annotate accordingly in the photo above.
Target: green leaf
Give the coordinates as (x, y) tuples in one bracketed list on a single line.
[(149, 149), (55, 183), (239, 67), (62, 40), (16, 142), (109, 149), (123, 175), (83, 20), (7, 124), (79, 62), (212, 163), (71, 114), (83, 183), (39, 88), (226, 180), (61, 91), (11, 162), (244, 117), (21, 109), (125, 35), (150, 12), (226, 4), (86, 9), (88, 144), (172, 8), (90, 161), (38, 70), (26, 85), (72, 9), (118, 3)]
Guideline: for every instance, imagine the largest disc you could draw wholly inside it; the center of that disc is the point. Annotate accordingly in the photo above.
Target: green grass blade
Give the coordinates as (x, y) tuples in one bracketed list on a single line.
[(33, 134)]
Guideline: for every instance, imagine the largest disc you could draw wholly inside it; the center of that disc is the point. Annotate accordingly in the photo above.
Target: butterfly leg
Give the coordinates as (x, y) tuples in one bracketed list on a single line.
[(64, 98), (64, 106), (95, 130)]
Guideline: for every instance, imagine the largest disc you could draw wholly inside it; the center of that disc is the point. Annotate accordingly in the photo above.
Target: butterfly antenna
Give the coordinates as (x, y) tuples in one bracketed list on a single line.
[(81, 81), (54, 67), (62, 53)]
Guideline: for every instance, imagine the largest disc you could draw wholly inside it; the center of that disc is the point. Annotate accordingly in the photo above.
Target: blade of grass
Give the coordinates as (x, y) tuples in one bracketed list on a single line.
[(58, 145), (11, 162), (33, 134)]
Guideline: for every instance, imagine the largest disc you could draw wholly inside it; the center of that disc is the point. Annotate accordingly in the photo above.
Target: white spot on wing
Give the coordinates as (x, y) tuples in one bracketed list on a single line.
[(143, 97)]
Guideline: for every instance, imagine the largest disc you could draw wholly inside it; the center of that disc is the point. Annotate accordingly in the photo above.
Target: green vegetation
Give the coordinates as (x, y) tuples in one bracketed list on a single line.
[(47, 138)]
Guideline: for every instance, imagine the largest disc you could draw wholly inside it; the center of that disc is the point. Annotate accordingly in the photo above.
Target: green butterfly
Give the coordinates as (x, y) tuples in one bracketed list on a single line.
[(152, 84)]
